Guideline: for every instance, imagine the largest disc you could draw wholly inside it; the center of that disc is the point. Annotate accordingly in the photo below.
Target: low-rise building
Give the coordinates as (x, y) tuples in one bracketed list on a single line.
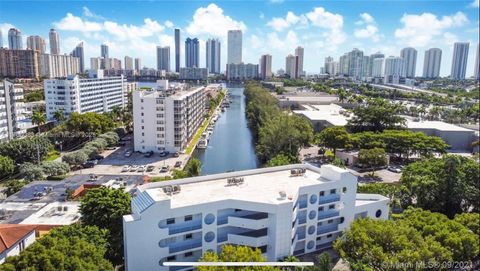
[(14, 239), (76, 94), (12, 111), (193, 73), (286, 210), (323, 116), (242, 71), (166, 120)]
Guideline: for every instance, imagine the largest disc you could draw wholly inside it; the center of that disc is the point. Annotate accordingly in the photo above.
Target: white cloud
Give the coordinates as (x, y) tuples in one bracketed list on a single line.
[(324, 19), (370, 29), (4, 27), (276, 1), (88, 13), (133, 32), (420, 30), (169, 24), (74, 23), (284, 44), (280, 24), (475, 4), (212, 21)]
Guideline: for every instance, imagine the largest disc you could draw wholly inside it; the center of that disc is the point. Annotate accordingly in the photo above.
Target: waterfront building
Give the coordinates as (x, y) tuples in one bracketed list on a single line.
[(459, 60), (394, 70), (193, 73), (343, 65), (242, 71), (286, 210), (299, 54), (128, 62), (177, 50), (95, 63), (93, 94), (19, 63), (36, 43), (409, 56), (55, 66), (355, 63), (163, 58), (213, 55), (15, 39), (138, 64), (234, 55), (12, 111), (266, 66), (167, 119), (192, 56), (104, 51), (54, 42), (79, 53), (431, 63)]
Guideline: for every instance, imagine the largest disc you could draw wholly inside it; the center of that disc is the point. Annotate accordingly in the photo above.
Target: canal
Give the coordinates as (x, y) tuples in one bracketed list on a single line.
[(230, 147)]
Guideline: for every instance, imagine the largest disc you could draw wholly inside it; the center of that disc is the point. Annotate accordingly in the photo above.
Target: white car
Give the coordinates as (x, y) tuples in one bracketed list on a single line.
[(126, 168), (133, 168), (141, 169)]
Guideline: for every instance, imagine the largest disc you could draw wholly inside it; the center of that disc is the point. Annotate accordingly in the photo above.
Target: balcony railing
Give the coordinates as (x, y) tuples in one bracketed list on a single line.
[(328, 214), (329, 199), (180, 247), (325, 229), (324, 246), (184, 228)]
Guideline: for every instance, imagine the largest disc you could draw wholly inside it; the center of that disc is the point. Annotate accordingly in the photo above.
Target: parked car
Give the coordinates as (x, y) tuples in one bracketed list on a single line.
[(394, 169), (126, 168), (99, 157), (176, 154), (178, 164), (133, 168), (164, 153), (141, 169), (164, 169), (150, 168), (90, 163), (128, 153), (148, 154), (110, 148)]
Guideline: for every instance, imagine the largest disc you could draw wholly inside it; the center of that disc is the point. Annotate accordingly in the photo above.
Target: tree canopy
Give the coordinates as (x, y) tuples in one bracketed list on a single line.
[(67, 248), (448, 185), (26, 149), (6, 165), (376, 115), (373, 158), (231, 253), (335, 137), (105, 208)]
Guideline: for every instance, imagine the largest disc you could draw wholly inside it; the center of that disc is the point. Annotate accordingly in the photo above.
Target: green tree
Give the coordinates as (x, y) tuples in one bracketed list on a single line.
[(279, 160), (26, 149), (193, 167), (59, 115), (38, 118), (448, 185), (70, 247), (374, 158), (54, 168), (14, 186), (377, 115), (231, 253), (75, 159), (470, 220), (105, 208), (324, 262), (31, 172), (89, 123), (333, 138), (6, 165)]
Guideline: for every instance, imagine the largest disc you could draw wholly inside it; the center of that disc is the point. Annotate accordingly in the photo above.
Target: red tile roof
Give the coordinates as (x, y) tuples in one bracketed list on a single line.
[(10, 234)]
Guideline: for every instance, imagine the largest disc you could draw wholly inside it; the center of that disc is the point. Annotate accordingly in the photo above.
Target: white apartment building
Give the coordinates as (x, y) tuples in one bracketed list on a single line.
[(12, 111), (93, 94), (54, 66), (286, 210), (242, 71), (166, 120)]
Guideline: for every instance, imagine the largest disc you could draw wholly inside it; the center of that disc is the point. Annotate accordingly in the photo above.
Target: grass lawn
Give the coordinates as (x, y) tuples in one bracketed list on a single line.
[(197, 136), (52, 155)]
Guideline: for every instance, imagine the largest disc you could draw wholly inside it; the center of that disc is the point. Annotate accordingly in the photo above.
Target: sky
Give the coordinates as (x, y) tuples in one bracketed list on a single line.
[(276, 27)]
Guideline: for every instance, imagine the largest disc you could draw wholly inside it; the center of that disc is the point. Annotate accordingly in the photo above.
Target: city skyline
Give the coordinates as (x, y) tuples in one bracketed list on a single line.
[(277, 29)]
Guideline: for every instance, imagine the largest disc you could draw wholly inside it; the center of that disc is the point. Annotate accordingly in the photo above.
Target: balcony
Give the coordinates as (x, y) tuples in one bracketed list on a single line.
[(324, 246), (185, 227), (254, 238), (252, 221), (328, 199), (182, 247), (326, 229), (328, 214)]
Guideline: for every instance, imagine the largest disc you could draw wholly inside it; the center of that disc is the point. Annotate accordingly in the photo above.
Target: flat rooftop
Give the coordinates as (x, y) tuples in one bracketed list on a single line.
[(260, 185), (55, 213), (435, 125), (363, 199), (329, 113)]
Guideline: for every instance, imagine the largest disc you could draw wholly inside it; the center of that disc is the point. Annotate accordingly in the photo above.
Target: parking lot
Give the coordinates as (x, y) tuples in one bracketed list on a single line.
[(115, 160)]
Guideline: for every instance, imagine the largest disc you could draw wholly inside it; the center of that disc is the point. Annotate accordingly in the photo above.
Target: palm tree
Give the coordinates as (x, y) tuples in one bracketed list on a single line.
[(59, 115), (39, 118)]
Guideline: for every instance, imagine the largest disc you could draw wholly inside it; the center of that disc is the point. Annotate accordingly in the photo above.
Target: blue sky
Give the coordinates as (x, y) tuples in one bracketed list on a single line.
[(323, 28)]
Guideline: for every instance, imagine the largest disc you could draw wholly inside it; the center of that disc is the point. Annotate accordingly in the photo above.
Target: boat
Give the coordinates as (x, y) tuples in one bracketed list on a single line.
[(202, 143)]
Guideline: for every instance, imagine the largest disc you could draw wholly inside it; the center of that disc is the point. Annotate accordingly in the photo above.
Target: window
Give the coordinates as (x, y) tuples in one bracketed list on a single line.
[(322, 193), (330, 221), (141, 100), (329, 236), (238, 210), (344, 190), (378, 213), (319, 238), (333, 191), (188, 217), (143, 127), (21, 245), (188, 236), (170, 221), (320, 209), (188, 254), (331, 206), (171, 258), (342, 219), (143, 134), (142, 114)]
